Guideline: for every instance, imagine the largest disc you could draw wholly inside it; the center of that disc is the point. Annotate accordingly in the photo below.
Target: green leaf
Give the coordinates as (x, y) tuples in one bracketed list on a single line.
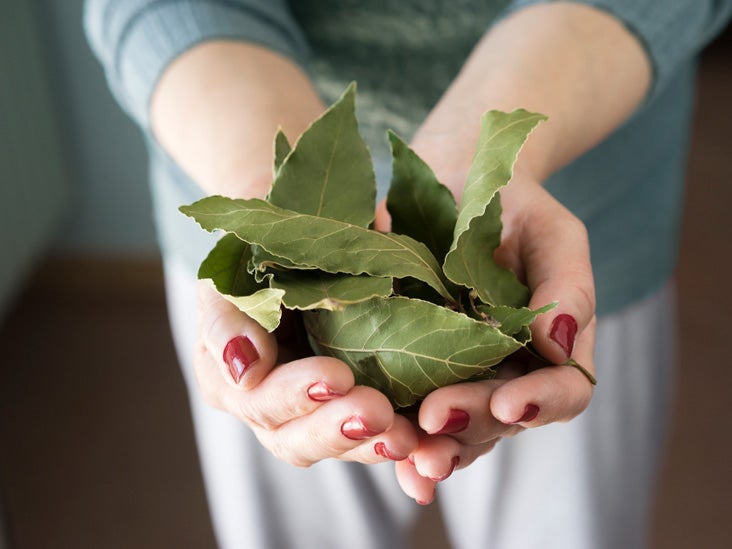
[(406, 347), (511, 321), (264, 306), (318, 290), (262, 260), (281, 150), (225, 266), (320, 243), (420, 206), (491, 282), (329, 171), (477, 231)]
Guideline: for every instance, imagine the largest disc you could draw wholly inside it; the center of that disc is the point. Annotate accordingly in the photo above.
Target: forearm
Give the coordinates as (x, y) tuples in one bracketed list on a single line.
[(217, 108), (577, 65)]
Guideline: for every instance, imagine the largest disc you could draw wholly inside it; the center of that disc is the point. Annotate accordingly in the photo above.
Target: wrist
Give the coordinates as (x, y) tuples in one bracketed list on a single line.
[(448, 154)]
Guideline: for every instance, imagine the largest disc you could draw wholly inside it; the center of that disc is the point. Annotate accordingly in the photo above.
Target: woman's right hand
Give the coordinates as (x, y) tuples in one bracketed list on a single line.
[(303, 410)]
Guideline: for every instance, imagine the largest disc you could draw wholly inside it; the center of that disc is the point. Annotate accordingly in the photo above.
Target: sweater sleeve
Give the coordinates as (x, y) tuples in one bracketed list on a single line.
[(136, 40), (671, 32)]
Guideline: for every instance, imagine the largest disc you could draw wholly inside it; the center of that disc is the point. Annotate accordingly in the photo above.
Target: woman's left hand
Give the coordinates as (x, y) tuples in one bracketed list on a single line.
[(547, 247)]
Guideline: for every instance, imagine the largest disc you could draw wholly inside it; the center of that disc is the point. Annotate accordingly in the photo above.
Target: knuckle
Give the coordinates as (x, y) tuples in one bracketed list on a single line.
[(283, 451), (256, 417)]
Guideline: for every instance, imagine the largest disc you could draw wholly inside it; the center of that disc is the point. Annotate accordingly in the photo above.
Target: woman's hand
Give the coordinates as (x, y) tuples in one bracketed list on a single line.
[(583, 69), (547, 247), (216, 100), (303, 410)]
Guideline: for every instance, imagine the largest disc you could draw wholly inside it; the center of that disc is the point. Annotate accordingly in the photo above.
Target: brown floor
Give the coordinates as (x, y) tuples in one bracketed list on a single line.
[(96, 447)]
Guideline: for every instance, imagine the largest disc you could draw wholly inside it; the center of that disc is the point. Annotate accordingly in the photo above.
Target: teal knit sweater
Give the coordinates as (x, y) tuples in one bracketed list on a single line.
[(628, 190)]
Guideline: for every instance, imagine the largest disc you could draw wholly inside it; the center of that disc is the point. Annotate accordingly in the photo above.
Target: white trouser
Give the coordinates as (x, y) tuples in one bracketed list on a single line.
[(586, 484)]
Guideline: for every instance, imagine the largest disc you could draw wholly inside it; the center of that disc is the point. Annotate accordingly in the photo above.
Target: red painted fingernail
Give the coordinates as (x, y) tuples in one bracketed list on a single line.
[(530, 413), (563, 331), (239, 355), (355, 429), (457, 420), (381, 449), (426, 501), (455, 462), (321, 391)]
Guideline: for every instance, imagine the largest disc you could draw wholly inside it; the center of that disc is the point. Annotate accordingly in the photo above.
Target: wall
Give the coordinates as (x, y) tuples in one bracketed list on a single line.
[(110, 208)]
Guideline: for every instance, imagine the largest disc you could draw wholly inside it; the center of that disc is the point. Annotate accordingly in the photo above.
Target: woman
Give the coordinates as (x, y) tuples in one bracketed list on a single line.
[(210, 83)]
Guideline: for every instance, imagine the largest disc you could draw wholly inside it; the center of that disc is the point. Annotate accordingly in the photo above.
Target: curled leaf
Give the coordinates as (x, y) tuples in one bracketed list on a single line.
[(225, 267), (478, 228)]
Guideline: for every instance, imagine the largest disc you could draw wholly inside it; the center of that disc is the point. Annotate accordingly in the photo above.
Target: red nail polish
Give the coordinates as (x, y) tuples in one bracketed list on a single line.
[(355, 429), (455, 462), (381, 449), (530, 413), (426, 501), (563, 331), (457, 420), (321, 391), (239, 355)]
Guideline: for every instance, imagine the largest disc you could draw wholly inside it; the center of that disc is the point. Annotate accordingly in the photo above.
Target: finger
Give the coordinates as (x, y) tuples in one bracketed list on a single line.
[(558, 269), (244, 350), (331, 430), (463, 412), (292, 390), (395, 444), (437, 457), (549, 394), (548, 247), (382, 221), (289, 391), (417, 487)]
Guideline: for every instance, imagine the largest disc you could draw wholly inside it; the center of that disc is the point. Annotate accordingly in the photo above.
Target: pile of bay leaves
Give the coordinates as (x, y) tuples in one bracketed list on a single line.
[(409, 311)]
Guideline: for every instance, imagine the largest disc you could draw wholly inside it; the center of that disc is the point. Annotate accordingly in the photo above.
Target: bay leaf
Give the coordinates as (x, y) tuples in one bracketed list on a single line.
[(320, 243), (281, 150), (329, 172), (470, 258), (407, 347), (262, 260), (420, 206), (319, 290), (511, 320), (493, 283), (264, 306), (225, 267)]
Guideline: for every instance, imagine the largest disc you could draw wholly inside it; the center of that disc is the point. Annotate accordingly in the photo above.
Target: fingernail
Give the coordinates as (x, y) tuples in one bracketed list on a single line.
[(381, 449), (239, 355), (563, 331), (457, 420), (530, 413), (321, 391), (426, 501), (455, 462), (355, 429)]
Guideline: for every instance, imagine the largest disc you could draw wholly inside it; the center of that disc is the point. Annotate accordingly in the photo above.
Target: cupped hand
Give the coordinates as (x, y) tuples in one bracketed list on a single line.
[(548, 248), (302, 408)]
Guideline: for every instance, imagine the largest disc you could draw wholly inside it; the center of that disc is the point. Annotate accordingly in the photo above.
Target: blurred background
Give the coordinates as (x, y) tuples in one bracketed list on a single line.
[(96, 448)]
